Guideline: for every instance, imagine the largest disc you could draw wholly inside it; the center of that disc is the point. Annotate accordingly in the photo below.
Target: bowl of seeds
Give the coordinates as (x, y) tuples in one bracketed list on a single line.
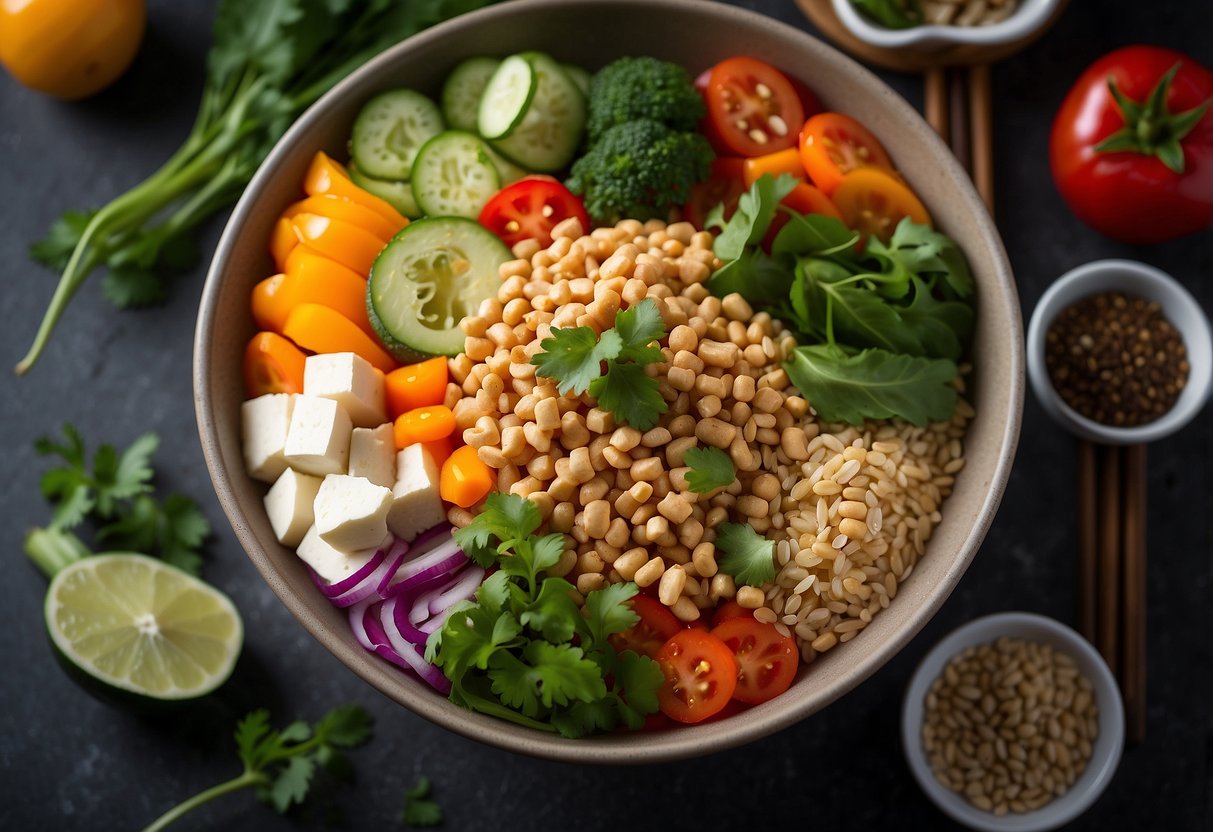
[(1013, 722), (1120, 353)]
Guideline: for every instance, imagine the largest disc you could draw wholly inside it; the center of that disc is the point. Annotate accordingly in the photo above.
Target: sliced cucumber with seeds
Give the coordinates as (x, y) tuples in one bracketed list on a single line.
[(462, 91), (432, 275), (397, 194), (507, 170), (545, 128), (579, 77), (389, 131), (454, 175)]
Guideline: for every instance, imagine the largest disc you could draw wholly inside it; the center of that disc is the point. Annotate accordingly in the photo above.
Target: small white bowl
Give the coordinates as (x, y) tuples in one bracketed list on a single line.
[(1179, 307), (1105, 755), (1022, 22)]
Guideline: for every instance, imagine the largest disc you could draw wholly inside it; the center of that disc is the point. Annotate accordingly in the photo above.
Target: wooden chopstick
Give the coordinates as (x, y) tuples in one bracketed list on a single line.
[(936, 101), (1108, 537), (1133, 620), (957, 105), (1088, 511), (981, 128)]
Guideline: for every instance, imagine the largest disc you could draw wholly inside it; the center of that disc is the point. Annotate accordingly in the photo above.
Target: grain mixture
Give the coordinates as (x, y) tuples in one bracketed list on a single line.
[(850, 509)]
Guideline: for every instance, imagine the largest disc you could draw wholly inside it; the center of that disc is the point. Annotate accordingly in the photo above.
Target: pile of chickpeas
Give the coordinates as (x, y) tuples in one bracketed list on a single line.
[(620, 495)]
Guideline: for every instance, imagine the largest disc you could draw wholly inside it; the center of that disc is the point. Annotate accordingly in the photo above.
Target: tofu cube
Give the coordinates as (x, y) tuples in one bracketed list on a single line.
[(289, 505), (349, 380), (373, 454), (333, 565), (416, 505), (318, 441), (351, 512), (265, 421)]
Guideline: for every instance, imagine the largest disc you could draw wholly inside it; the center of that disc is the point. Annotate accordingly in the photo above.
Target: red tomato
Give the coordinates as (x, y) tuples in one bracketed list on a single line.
[(657, 624), (832, 145), (725, 184), (1127, 191), (531, 207), (808, 99), (700, 676), (766, 661), (730, 609), (752, 108)]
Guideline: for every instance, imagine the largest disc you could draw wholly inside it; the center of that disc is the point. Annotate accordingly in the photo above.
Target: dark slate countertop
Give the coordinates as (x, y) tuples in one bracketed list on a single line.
[(68, 762)]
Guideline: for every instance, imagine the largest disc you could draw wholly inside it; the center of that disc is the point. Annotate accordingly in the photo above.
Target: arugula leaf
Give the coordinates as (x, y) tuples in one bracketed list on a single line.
[(711, 468), (638, 327), (419, 809), (631, 395), (748, 556), (755, 211), (574, 357), (813, 234), (920, 249), (942, 327), (755, 275), (873, 384)]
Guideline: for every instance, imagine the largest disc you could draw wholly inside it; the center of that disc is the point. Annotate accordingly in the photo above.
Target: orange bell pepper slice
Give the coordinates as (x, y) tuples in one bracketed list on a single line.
[(310, 278), (464, 479), (272, 364), (323, 330), (439, 449), (345, 209), (326, 176), (782, 161), (349, 245), (424, 424), (416, 385), (283, 240)]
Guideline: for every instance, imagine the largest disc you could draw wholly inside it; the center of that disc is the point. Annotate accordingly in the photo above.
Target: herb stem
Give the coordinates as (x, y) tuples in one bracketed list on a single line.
[(244, 781), (53, 549)]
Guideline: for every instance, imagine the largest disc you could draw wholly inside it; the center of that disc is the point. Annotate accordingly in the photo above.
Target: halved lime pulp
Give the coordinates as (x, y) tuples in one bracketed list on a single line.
[(139, 625)]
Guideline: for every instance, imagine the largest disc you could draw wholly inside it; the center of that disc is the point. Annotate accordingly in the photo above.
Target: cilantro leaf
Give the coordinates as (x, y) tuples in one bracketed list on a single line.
[(419, 809), (250, 735), (292, 783), (631, 395), (55, 249), (348, 726), (574, 356), (551, 674), (608, 611), (553, 612), (131, 287), (182, 530), (637, 328), (639, 679), (747, 556), (711, 468), (506, 517)]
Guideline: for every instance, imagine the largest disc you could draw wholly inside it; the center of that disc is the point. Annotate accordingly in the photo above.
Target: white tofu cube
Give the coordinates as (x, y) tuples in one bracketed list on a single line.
[(351, 512), (349, 380), (318, 441), (373, 454), (416, 505), (333, 565), (289, 505), (265, 422)]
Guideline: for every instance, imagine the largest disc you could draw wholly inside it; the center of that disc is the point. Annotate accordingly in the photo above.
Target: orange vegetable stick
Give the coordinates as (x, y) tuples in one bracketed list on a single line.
[(464, 479), (325, 176), (782, 161), (283, 240), (424, 424), (323, 330), (272, 364), (345, 209), (439, 449), (344, 242), (416, 385)]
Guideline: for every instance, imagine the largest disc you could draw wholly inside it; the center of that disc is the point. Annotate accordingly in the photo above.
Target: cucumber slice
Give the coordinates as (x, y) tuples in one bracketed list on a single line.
[(507, 97), (454, 176), (389, 131), (507, 170), (398, 194), (578, 76), (432, 275), (550, 129), (462, 90)]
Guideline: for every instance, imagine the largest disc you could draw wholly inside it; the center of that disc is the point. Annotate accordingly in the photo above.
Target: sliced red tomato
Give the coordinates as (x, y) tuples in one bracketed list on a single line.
[(655, 627), (531, 208), (832, 145), (753, 108), (873, 201), (766, 661), (808, 99), (730, 609), (725, 185), (700, 676)]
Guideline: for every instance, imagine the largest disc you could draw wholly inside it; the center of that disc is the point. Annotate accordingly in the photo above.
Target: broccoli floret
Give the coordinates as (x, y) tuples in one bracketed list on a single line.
[(639, 169), (632, 88)]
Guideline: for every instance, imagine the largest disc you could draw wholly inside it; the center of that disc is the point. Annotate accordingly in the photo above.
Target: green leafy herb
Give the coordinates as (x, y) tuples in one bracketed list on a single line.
[(523, 651), (748, 556), (755, 211), (711, 468), (115, 492), (419, 809), (575, 358), (895, 14), (269, 61), (281, 765)]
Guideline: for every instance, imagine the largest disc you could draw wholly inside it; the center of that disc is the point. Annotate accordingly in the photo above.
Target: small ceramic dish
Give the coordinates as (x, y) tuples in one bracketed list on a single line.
[(1030, 15), (1179, 307), (1105, 754)]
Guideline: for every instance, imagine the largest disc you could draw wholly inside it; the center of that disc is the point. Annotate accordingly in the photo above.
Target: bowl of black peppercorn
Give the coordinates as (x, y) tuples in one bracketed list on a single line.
[(1120, 353)]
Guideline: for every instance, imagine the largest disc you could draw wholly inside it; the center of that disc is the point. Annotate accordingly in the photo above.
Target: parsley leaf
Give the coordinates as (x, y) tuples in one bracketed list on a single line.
[(574, 357), (631, 395), (748, 556), (419, 809), (711, 468)]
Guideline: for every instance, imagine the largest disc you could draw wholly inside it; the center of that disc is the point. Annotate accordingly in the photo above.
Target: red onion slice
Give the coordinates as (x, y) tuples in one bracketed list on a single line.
[(359, 616), (368, 587), (442, 560), (408, 652), (346, 584)]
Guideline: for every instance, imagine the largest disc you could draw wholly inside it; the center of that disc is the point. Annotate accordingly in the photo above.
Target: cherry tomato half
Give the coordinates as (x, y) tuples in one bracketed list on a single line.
[(531, 207), (655, 627), (752, 107), (766, 661), (873, 202), (700, 676), (832, 145), (730, 609), (725, 184)]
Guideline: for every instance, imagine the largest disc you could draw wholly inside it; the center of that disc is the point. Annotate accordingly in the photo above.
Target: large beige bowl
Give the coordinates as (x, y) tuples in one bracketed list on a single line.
[(590, 33)]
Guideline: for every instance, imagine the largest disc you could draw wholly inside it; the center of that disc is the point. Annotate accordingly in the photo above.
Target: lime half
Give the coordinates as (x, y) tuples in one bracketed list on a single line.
[(138, 625)]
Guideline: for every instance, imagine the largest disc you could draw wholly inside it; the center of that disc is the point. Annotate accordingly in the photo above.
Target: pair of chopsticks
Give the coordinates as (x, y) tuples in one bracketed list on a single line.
[(958, 107), (1112, 567)]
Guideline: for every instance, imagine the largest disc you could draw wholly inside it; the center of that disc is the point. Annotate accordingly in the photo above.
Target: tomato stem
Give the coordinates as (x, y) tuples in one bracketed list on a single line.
[(1150, 129)]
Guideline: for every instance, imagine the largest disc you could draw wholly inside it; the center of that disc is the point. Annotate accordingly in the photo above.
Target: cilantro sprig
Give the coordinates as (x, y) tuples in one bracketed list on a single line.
[(611, 365), (523, 651), (711, 468), (420, 810), (282, 764), (747, 556)]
